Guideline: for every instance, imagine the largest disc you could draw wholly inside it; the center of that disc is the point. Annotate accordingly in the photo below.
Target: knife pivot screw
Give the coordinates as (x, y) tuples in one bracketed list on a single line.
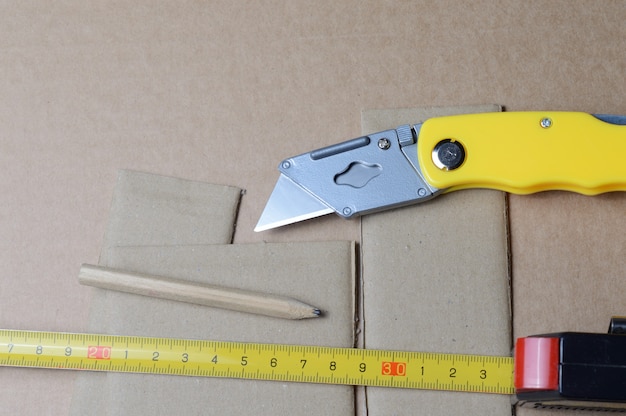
[(421, 192), (286, 164), (347, 211), (384, 143), (448, 154), (546, 122)]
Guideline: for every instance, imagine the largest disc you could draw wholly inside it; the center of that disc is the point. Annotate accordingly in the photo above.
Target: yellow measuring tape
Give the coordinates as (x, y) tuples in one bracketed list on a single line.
[(279, 362)]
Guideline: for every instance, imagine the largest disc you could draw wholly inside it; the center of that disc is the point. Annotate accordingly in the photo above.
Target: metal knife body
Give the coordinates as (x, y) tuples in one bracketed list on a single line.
[(517, 152)]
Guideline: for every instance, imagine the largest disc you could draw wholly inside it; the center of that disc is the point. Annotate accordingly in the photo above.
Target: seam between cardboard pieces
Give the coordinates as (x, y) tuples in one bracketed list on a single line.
[(242, 192), (509, 261)]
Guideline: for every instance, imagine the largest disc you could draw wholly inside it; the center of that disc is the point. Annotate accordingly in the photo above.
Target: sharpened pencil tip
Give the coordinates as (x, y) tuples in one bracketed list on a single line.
[(317, 312)]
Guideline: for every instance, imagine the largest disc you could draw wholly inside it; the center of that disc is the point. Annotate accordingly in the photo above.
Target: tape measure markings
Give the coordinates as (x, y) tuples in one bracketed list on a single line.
[(279, 362)]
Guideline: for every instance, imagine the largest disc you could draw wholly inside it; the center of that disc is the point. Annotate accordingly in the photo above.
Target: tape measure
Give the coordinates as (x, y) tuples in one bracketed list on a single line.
[(278, 362)]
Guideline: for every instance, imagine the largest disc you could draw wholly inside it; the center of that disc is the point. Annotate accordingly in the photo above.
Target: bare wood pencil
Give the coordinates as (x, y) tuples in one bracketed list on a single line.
[(202, 294)]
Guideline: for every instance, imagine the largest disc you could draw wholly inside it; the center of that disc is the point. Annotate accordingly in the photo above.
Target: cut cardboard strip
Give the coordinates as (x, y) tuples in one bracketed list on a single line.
[(435, 278), (320, 273), (157, 210)]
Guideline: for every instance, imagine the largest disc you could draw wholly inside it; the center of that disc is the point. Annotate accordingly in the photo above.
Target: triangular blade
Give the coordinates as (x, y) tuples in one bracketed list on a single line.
[(289, 203)]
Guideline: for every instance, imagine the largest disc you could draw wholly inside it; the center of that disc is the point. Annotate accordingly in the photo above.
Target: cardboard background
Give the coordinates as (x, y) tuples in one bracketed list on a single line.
[(221, 91)]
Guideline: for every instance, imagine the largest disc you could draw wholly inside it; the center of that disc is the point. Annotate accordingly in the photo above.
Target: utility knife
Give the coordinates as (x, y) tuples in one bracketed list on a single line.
[(516, 152)]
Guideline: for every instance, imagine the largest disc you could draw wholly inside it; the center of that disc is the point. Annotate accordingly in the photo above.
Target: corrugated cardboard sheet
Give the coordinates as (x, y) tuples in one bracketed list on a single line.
[(436, 278), (221, 91), (172, 227)]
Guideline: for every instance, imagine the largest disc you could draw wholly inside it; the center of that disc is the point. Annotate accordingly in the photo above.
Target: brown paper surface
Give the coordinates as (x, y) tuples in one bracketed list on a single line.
[(147, 212), (435, 278), (222, 91)]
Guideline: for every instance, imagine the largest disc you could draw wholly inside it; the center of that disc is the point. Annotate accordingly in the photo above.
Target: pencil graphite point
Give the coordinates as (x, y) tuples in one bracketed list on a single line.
[(317, 312)]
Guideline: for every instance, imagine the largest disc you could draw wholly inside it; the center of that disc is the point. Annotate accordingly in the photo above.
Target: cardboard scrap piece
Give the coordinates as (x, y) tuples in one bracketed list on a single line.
[(319, 273), (435, 277), (156, 210), (142, 211)]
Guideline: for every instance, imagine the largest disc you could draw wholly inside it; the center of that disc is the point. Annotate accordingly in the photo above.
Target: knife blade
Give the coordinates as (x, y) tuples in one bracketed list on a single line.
[(517, 152)]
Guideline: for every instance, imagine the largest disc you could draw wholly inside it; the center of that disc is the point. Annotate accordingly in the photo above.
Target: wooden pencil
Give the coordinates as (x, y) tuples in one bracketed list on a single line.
[(197, 293)]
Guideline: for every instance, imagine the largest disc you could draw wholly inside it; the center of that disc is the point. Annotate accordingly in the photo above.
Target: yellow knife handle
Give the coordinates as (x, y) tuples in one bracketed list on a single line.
[(524, 152)]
